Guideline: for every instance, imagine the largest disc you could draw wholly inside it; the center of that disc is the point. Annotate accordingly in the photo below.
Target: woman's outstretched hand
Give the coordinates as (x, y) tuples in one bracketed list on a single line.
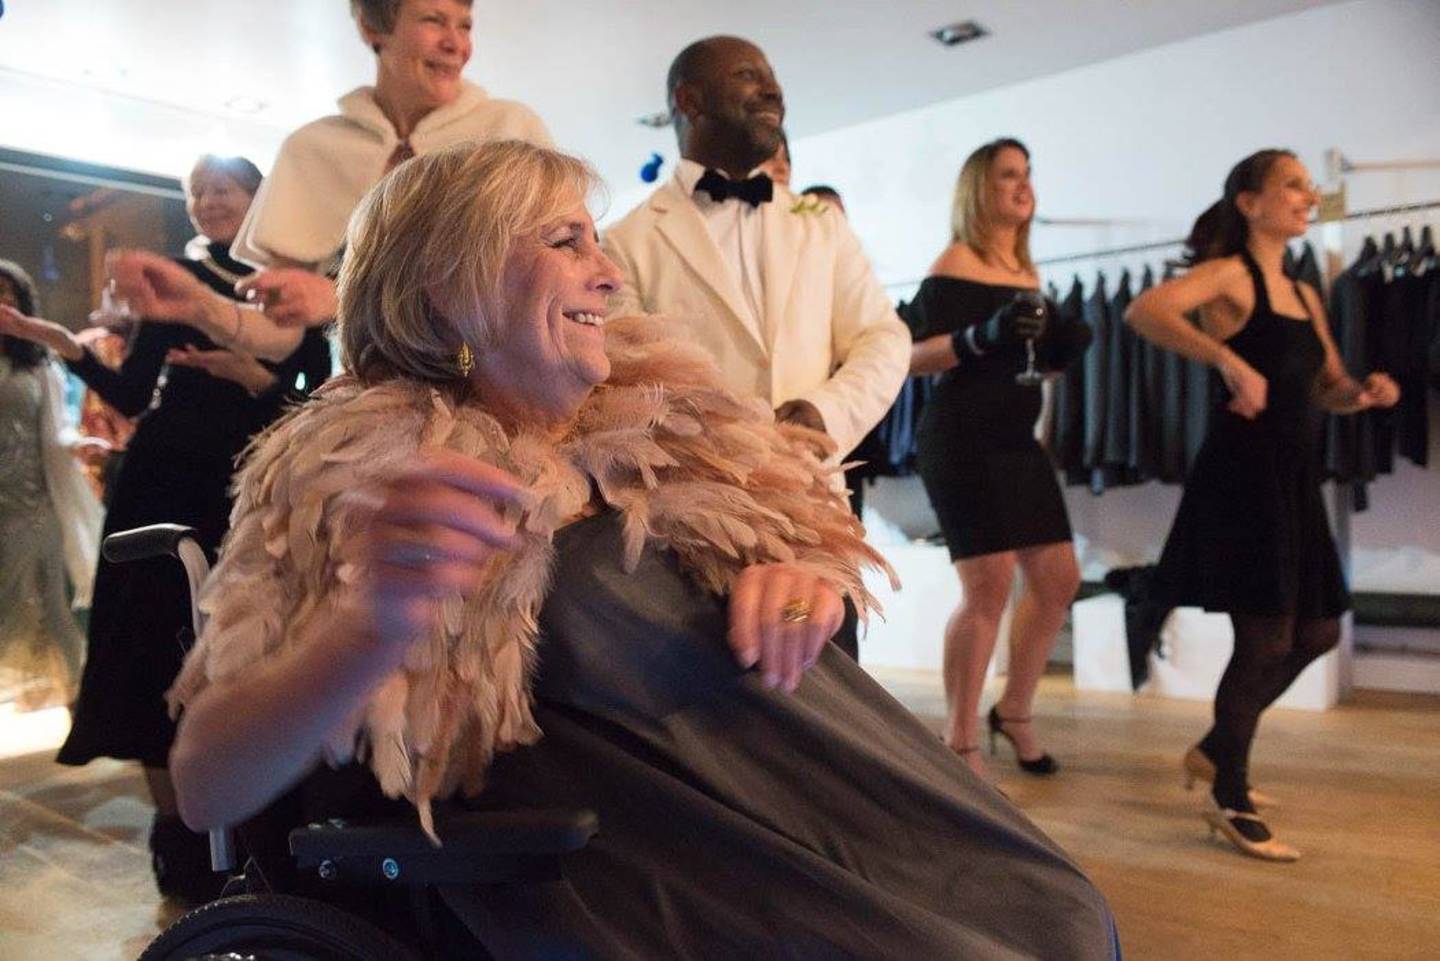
[(780, 619), (291, 296), (156, 288), (437, 526), (37, 330)]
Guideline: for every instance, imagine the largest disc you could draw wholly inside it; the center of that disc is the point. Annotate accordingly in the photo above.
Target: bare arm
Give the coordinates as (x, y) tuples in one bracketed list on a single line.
[(240, 745), (37, 330), (1158, 315), (162, 291), (933, 355), (1335, 389)]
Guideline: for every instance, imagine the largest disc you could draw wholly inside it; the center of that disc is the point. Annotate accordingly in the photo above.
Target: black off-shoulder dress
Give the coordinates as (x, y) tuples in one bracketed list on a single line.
[(992, 485)]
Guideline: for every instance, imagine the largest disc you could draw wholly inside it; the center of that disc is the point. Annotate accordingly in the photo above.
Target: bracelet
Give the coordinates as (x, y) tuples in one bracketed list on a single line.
[(239, 319)]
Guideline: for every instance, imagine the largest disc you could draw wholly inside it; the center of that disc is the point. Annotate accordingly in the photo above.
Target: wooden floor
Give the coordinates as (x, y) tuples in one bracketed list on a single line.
[(1360, 787)]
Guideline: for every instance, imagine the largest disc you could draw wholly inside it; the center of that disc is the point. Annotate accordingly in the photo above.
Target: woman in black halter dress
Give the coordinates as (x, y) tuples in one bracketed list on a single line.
[(1251, 537)]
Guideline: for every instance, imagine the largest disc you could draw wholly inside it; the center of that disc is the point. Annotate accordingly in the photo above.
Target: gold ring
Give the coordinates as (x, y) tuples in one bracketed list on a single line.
[(796, 611)]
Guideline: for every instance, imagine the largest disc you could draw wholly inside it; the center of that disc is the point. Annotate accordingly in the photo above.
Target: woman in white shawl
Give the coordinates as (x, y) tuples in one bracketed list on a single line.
[(295, 230), (49, 517), (522, 551)]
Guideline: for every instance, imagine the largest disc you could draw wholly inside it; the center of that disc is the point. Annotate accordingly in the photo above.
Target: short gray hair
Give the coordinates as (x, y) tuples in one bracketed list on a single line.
[(380, 15), (426, 252)]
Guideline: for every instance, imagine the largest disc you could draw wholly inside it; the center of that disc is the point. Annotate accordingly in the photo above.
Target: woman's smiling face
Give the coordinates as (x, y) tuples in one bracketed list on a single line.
[(422, 57), (550, 352)]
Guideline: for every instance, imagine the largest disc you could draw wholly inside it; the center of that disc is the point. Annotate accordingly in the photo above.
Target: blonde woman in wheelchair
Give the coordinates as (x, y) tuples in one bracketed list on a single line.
[(523, 554)]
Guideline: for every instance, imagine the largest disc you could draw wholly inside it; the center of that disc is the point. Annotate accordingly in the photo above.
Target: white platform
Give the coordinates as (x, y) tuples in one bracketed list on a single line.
[(1194, 647), (912, 632)]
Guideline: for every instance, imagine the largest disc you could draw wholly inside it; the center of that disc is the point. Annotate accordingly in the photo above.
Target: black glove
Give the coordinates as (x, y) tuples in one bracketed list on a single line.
[(1063, 343), (1018, 321)]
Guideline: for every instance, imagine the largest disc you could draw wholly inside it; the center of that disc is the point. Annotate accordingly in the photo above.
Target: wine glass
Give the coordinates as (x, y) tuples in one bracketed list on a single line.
[(113, 308), (1032, 303)]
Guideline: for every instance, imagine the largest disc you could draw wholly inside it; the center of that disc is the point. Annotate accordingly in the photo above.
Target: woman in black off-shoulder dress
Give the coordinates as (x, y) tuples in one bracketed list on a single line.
[(992, 485)]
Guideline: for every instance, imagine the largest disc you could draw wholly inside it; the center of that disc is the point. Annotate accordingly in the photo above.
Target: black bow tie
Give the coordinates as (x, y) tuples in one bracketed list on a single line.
[(755, 191)]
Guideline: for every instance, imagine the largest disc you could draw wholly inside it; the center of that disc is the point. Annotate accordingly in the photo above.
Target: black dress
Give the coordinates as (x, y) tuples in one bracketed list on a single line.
[(177, 469), (991, 484), (741, 822), (1251, 535)]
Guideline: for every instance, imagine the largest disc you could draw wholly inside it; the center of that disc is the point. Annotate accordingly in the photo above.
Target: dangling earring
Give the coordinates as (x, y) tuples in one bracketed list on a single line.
[(465, 360)]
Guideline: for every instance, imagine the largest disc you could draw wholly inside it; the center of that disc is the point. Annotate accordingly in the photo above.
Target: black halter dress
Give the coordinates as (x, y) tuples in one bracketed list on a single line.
[(1251, 535)]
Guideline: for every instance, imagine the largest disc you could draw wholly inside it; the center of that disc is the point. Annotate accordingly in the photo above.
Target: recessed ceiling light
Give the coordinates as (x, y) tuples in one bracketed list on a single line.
[(962, 32), (243, 104), (655, 120)]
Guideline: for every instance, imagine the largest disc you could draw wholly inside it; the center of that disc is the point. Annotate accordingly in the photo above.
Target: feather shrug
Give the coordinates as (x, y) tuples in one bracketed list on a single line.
[(687, 465)]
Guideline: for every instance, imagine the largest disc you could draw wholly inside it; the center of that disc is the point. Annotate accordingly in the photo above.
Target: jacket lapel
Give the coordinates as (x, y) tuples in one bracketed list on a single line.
[(782, 240), (682, 227)]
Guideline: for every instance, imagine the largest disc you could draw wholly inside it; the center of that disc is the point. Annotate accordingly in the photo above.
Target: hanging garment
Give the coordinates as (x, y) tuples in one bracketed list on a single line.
[(1117, 410), (1350, 441), (1307, 268), (1067, 444), (1096, 312)]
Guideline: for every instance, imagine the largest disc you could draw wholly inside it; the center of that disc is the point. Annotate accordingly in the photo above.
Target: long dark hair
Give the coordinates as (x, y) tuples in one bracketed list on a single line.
[(1221, 231), (22, 353)]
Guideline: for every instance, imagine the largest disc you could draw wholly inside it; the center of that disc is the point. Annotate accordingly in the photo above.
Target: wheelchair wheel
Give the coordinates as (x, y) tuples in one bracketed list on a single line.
[(273, 927)]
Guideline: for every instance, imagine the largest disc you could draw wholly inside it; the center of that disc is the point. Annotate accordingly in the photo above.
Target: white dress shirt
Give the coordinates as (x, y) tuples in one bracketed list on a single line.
[(735, 227)]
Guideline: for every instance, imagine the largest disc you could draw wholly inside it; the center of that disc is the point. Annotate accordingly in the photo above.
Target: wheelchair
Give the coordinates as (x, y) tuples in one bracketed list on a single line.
[(341, 863)]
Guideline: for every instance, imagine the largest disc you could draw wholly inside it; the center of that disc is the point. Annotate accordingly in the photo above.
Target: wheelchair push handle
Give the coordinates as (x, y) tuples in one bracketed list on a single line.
[(156, 540)]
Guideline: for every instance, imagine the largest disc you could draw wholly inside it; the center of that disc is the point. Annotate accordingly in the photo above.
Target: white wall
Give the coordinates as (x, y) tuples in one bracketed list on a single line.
[(1147, 140), (78, 123)]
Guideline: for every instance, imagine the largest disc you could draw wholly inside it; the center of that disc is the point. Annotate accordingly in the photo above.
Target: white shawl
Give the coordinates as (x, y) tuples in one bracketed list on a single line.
[(326, 167)]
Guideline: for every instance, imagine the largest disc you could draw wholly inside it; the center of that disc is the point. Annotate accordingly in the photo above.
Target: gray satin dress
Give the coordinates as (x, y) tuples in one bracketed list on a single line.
[(39, 638), (737, 822)]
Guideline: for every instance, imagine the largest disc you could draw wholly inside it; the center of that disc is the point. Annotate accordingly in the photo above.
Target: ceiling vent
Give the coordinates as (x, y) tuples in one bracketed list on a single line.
[(957, 33)]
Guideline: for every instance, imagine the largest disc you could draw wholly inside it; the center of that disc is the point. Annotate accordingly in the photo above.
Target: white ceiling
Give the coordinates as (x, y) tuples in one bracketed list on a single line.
[(589, 67)]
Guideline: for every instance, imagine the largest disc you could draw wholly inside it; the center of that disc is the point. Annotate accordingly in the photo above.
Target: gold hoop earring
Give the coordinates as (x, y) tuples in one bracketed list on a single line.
[(465, 360)]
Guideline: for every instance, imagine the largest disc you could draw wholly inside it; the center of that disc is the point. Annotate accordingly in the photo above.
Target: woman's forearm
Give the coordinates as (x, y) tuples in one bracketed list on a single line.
[(933, 355), (236, 326), (1341, 395), (1175, 333), (242, 744)]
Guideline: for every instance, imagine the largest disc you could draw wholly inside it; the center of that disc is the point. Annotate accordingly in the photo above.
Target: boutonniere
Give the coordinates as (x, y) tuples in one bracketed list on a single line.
[(808, 204)]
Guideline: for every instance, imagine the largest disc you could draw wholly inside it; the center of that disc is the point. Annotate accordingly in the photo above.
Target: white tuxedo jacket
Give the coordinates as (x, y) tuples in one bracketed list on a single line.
[(833, 336)]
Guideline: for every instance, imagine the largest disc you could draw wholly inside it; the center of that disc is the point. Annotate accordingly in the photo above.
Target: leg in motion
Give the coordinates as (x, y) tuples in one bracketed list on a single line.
[(1263, 645), (969, 642), (1051, 578)]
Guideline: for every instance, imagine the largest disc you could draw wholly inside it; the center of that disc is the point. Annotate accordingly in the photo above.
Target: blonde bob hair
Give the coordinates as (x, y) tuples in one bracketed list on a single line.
[(426, 252), (970, 219)]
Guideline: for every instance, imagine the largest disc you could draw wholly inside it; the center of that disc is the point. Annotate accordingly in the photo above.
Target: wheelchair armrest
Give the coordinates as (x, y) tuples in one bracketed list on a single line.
[(156, 540), (477, 846)]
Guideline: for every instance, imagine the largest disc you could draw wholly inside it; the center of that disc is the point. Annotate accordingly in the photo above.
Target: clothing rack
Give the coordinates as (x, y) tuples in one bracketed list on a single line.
[(1180, 241), (1163, 244), (1111, 252)]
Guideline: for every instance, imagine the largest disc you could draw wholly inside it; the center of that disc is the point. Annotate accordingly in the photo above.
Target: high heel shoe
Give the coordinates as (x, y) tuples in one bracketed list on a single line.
[(1226, 821), (1042, 765), (1197, 767)]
